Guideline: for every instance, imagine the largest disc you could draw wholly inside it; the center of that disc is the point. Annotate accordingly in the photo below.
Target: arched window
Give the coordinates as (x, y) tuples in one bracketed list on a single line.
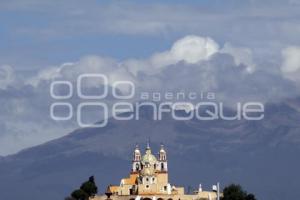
[(162, 166)]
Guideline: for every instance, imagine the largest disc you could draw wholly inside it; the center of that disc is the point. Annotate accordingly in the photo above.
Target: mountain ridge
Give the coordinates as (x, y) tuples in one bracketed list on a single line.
[(246, 152)]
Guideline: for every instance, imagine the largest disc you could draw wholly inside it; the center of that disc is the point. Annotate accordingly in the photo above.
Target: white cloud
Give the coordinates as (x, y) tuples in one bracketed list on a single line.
[(44, 75), (290, 67), (7, 76), (190, 49)]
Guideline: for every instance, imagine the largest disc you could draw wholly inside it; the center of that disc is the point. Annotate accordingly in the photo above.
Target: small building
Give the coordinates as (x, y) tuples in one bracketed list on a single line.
[(148, 180)]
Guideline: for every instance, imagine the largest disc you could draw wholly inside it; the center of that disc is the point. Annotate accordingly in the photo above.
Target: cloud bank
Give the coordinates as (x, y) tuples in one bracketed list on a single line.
[(193, 63)]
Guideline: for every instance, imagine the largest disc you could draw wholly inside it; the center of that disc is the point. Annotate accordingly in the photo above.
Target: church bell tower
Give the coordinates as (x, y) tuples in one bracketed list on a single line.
[(136, 161), (162, 159)]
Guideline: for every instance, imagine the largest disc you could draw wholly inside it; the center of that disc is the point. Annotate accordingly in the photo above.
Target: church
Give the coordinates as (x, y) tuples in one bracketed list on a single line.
[(148, 180)]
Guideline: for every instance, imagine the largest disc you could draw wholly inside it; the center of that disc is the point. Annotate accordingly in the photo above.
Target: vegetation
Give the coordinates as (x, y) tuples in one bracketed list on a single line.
[(87, 189), (79, 195), (236, 192)]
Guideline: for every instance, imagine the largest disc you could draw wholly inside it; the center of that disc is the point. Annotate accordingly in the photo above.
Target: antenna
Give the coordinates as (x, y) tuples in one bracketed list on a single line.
[(218, 191), (148, 143)]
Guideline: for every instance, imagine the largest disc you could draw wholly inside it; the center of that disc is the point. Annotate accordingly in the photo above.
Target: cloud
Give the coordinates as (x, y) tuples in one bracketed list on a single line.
[(190, 49), (7, 76), (43, 75), (195, 53), (192, 64), (290, 67), (241, 55), (109, 27)]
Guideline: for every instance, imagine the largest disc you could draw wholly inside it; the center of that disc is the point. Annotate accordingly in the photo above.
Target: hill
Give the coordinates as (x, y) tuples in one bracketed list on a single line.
[(260, 155)]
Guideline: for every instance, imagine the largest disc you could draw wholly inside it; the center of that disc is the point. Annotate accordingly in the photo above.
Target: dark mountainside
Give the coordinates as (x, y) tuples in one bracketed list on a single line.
[(262, 156)]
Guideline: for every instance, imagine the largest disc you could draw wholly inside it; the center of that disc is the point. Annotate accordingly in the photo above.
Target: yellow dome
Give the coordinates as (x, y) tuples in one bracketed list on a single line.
[(149, 158)]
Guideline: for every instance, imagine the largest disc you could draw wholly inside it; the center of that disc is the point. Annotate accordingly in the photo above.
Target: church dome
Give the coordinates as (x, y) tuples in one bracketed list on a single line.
[(149, 158), (148, 163), (162, 149), (137, 151)]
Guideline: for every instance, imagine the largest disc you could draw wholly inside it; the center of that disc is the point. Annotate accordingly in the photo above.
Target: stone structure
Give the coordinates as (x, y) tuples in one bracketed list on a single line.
[(148, 180)]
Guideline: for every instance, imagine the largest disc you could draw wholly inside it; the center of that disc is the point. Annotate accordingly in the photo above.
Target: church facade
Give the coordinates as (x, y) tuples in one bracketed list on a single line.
[(148, 180)]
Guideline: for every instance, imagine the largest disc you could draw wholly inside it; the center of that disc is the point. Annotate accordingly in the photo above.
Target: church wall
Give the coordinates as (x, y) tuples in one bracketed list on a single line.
[(205, 195), (178, 191), (162, 178), (125, 190)]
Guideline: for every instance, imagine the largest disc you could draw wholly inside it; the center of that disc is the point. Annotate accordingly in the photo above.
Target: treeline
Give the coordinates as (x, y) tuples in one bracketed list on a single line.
[(236, 192)]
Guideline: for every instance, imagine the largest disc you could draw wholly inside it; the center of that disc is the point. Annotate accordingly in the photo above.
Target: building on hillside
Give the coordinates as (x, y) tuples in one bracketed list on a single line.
[(148, 180)]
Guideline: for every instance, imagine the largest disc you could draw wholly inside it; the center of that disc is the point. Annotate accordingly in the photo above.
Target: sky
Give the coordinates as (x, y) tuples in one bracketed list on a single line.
[(242, 50)]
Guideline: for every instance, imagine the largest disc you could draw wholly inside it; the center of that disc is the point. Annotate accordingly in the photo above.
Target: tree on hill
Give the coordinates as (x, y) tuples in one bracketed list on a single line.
[(79, 195), (250, 197), (236, 192), (87, 189)]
